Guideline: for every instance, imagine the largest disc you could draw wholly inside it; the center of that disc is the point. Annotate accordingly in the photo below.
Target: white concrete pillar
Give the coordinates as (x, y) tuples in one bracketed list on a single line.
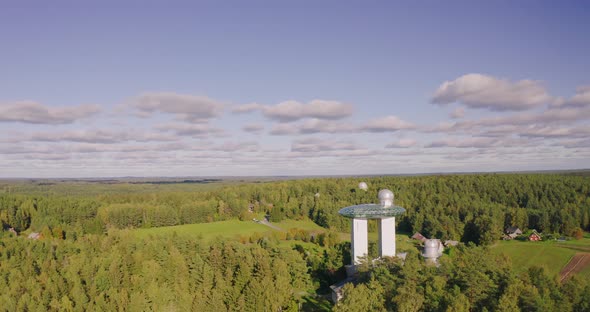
[(360, 240), (387, 237)]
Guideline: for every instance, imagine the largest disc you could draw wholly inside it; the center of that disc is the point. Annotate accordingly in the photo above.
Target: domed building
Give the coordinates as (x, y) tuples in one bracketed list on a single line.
[(385, 212), (433, 249)]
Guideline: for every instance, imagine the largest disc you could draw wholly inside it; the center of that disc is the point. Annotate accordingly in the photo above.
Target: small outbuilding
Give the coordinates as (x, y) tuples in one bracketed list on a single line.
[(451, 243), (337, 288), (418, 236), (512, 232), (535, 236)]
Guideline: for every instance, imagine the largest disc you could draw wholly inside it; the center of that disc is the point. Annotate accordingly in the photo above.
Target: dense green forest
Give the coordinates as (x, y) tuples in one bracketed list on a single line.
[(470, 208), (88, 260)]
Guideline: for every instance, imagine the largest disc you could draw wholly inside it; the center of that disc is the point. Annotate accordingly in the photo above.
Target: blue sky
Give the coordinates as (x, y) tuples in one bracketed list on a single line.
[(152, 88)]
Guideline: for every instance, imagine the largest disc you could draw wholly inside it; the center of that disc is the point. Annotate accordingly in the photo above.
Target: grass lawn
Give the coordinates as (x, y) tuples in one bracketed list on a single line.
[(551, 255), (585, 273), (207, 231), (236, 228), (226, 229), (307, 225)]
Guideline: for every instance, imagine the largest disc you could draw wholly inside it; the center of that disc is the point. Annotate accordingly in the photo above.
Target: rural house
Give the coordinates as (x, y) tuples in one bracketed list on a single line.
[(418, 236), (513, 232), (535, 236)]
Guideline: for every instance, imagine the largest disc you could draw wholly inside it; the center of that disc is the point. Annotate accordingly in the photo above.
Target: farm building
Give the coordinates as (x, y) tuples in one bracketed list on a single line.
[(418, 236), (512, 232), (534, 237), (450, 243)]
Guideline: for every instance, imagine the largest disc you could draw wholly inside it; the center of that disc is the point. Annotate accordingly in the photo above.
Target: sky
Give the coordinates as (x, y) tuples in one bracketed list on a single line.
[(275, 88)]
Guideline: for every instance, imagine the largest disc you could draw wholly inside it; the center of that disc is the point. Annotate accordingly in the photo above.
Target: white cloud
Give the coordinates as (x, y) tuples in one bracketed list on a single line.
[(512, 124), (292, 110), (248, 146), (247, 108), (403, 143), (186, 107), (482, 91), (555, 132), (99, 136), (387, 124), (284, 129), (458, 113), (193, 130), (465, 143), (36, 113), (316, 145), (580, 99), (325, 126), (312, 126), (253, 128), (579, 143)]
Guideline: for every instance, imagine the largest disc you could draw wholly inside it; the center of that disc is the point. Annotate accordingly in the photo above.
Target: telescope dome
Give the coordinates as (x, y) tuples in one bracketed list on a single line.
[(385, 195), (363, 186)]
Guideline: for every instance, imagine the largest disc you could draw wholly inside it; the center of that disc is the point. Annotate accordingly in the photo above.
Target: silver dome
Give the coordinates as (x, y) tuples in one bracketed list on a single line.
[(386, 197), (432, 249), (363, 186), (431, 243)]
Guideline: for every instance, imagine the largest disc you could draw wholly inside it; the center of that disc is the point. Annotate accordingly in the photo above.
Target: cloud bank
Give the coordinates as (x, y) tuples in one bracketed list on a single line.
[(293, 110), (487, 92), (36, 113)]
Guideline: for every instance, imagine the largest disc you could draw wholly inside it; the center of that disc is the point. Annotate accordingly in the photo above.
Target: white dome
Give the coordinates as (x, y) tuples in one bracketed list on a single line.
[(385, 195), (432, 249), (432, 243), (363, 186), (385, 198)]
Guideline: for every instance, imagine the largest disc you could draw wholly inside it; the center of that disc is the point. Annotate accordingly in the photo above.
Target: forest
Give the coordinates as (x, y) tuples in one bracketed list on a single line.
[(87, 258)]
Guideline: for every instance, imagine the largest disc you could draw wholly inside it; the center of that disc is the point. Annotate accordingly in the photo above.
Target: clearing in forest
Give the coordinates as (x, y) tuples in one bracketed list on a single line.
[(553, 256), (578, 263)]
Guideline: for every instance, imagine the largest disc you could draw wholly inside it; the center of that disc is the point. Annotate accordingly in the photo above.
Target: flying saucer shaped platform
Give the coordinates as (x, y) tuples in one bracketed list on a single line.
[(371, 211)]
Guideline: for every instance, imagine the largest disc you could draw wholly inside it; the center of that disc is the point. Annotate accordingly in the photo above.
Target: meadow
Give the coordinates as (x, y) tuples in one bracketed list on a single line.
[(551, 255)]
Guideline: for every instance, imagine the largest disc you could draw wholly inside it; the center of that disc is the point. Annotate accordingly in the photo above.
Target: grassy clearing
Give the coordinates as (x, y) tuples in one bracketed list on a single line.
[(207, 231), (585, 273), (307, 225), (551, 255), (226, 229)]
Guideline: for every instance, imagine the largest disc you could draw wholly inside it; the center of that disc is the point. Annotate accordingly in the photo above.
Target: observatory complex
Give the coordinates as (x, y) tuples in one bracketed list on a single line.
[(385, 212)]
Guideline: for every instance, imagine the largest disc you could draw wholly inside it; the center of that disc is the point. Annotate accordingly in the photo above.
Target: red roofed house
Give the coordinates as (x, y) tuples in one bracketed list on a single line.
[(419, 237), (535, 237)]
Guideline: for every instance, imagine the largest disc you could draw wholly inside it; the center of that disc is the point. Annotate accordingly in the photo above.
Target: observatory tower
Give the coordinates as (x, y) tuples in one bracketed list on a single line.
[(385, 212)]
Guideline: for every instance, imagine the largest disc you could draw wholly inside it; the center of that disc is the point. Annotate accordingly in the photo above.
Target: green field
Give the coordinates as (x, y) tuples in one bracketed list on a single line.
[(307, 225), (551, 255), (207, 231), (236, 228), (226, 229)]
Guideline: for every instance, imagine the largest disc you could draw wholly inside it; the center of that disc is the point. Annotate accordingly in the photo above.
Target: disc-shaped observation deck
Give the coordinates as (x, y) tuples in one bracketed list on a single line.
[(385, 208), (385, 212), (371, 211)]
